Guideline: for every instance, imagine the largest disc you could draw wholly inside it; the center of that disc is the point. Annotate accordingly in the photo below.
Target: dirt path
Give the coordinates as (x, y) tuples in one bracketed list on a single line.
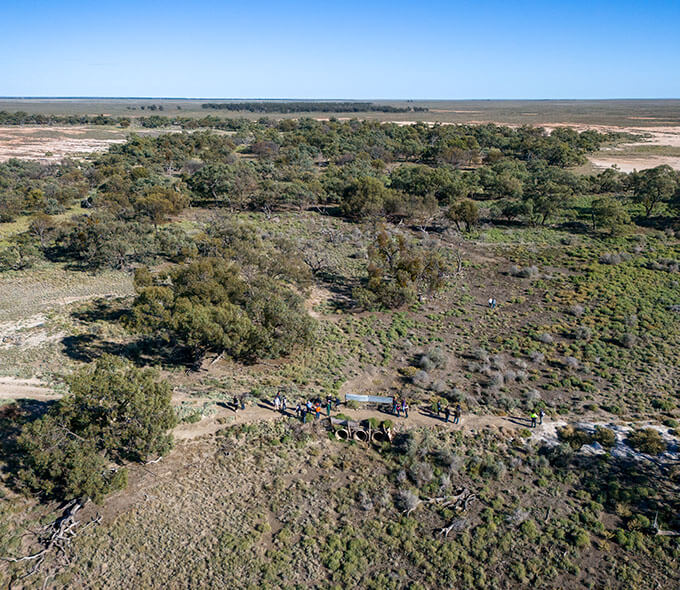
[(417, 417), (14, 388)]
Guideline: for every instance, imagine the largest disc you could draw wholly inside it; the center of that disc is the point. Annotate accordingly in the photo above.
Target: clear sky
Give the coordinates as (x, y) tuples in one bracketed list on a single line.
[(350, 49)]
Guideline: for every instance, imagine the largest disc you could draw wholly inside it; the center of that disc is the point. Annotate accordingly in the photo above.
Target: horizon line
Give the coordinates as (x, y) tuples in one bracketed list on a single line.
[(264, 99)]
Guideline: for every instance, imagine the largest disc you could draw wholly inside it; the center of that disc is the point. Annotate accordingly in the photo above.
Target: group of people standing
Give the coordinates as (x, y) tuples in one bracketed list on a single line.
[(313, 407), (457, 412), (399, 407), (537, 417)]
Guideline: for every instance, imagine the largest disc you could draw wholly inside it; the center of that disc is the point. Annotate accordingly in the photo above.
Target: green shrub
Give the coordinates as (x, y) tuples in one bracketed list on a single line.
[(114, 411), (605, 436), (529, 529), (647, 440), (59, 464)]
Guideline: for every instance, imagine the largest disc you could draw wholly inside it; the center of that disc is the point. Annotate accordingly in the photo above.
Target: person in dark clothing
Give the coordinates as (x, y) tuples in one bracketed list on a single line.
[(236, 404), (447, 413), (298, 410), (329, 405), (457, 414), (439, 408)]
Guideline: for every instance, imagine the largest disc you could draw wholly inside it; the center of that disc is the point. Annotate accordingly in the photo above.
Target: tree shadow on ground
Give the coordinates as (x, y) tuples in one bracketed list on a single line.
[(341, 287), (657, 222), (143, 352), (107, 310)]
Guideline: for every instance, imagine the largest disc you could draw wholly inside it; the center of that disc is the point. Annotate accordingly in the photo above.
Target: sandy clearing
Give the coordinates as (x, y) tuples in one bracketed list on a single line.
[(15, 388), (317, 296), (51, 144), (628, 164)]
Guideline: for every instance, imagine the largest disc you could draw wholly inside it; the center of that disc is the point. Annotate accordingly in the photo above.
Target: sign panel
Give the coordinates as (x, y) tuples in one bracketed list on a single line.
[(368, 398)]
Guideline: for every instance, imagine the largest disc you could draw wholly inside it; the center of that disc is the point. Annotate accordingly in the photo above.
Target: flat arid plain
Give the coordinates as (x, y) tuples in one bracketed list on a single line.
[(657, 122), (506, 273)]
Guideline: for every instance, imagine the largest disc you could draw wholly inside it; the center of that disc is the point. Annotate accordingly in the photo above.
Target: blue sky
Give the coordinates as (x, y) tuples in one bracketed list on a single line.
[(350, 49)]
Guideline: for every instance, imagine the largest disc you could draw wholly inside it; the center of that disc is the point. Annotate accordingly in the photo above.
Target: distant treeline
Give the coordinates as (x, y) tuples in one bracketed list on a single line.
[(310, 107), (150, 122)]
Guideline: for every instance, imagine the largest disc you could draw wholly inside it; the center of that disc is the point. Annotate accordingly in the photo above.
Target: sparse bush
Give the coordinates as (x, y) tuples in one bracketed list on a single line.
[(628, 340), (536, 356), (496, 380), (497, 362), (520, 363), (425, 363), (437, 356), (533, 395), (528, 272), (406, 500), (545, 338), (572, 362), (610, 258), (615, 258), (492, 467), (582, 333), (421, 379), (420, 472), (560, 455), (576, 310), (364, 501), (438, 387), (480, 354), (457, 395), (517, 517)]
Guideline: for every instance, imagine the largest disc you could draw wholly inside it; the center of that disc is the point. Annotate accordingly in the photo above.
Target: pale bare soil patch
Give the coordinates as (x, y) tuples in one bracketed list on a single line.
[(621, 156), (52, 144), (628, 164), (12, 388)]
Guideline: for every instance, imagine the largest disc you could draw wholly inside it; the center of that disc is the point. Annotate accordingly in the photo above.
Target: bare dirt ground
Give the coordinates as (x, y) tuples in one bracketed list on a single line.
[(624, 157), (52, 144), (13, 388)]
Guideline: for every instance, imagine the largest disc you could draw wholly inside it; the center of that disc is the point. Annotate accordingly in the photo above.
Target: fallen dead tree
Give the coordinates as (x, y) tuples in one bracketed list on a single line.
[(661, 532), (55, 540), (458, 502)]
